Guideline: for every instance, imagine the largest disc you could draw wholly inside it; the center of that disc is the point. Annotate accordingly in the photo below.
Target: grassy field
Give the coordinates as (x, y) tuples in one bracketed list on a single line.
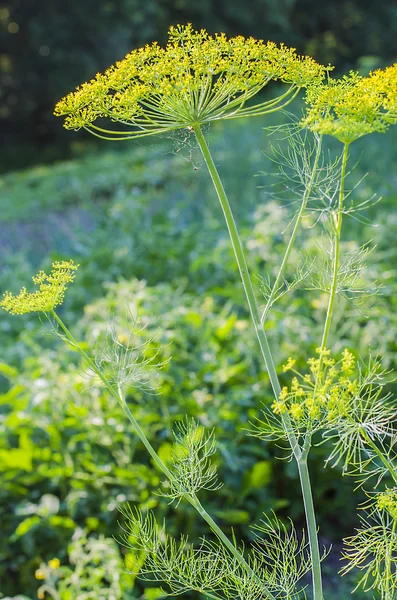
[(143, 223)]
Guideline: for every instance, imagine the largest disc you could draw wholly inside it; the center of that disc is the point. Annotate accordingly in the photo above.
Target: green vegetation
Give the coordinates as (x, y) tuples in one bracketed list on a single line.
[(68, 457)]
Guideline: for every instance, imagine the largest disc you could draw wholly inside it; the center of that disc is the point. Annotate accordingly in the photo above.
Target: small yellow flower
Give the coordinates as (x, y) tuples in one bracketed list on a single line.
[(353, 387), (333, 373), (329, 362), (54, 563), (332, 414), (323, 351), (279, 407), (284, 393), (50, 294), (296, 389), (289, 365), (348, 362), (388, 501), (313, 409), (296, 411), (41, 595), (314, 364), (39, 574)]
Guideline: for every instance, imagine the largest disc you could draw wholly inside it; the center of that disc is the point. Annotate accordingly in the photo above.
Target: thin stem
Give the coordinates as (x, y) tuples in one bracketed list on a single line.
[(388, 564), (311, 529), (337, 224), (379, 454), (192, 499), (298, 222), (50, 590), (246, 281), (266, 353)]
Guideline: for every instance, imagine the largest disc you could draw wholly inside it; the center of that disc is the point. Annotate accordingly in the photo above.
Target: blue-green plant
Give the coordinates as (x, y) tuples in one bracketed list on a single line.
[(195, 80)]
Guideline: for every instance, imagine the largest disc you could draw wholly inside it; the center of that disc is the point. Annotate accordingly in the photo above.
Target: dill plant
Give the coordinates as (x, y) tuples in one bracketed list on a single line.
[(195, 80)]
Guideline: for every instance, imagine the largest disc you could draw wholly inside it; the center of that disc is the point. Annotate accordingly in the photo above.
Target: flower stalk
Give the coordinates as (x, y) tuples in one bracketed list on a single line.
[(371, 444), (268, 359), (297, 224), (191, 498), (337, 228)]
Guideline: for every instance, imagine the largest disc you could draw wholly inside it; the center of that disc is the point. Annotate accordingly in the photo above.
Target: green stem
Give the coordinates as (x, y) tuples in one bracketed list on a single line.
[(298, 222), (246, 281), (379, 454), (253, 307), (337, 224), (50, 590), (388, 564), (311, 529), (192, 499)]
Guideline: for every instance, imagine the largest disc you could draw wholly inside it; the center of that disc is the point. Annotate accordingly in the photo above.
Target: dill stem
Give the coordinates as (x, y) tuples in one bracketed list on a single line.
[(379, 454), (192, 499), (388, 563), (337, 225), (268, 359), (295, 230), (311, 529), (246, 281)]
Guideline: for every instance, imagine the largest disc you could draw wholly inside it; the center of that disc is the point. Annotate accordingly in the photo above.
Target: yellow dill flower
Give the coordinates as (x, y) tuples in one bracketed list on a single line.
[(313, 409), (388, 501), (39, 574), (353, 106), (333, 373), (323, 351), (348, 362), (353, 387), (328, 362), (289, 365), (314, 364), (296, 411), (196, 78), (296, 389), (50, 294), (332, 415), (54, 563), (279, 407), (284, 393), (41, 595)]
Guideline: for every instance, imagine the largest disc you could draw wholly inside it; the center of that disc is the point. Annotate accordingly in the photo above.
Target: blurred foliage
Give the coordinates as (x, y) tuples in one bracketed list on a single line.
[(50, 47), (147, 230)]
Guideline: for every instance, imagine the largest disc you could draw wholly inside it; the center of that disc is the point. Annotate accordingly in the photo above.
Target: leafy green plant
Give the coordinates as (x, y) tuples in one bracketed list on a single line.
[(195, 80)]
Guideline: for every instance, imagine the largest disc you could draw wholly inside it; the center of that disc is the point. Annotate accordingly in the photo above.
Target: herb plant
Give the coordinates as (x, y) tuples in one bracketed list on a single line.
[(338, 400)]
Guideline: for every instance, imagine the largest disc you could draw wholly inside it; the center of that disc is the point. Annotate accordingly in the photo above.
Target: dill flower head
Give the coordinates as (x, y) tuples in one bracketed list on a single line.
[(353, 106), (195, 79), (50, 294), (322, 395), (388, 501)]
